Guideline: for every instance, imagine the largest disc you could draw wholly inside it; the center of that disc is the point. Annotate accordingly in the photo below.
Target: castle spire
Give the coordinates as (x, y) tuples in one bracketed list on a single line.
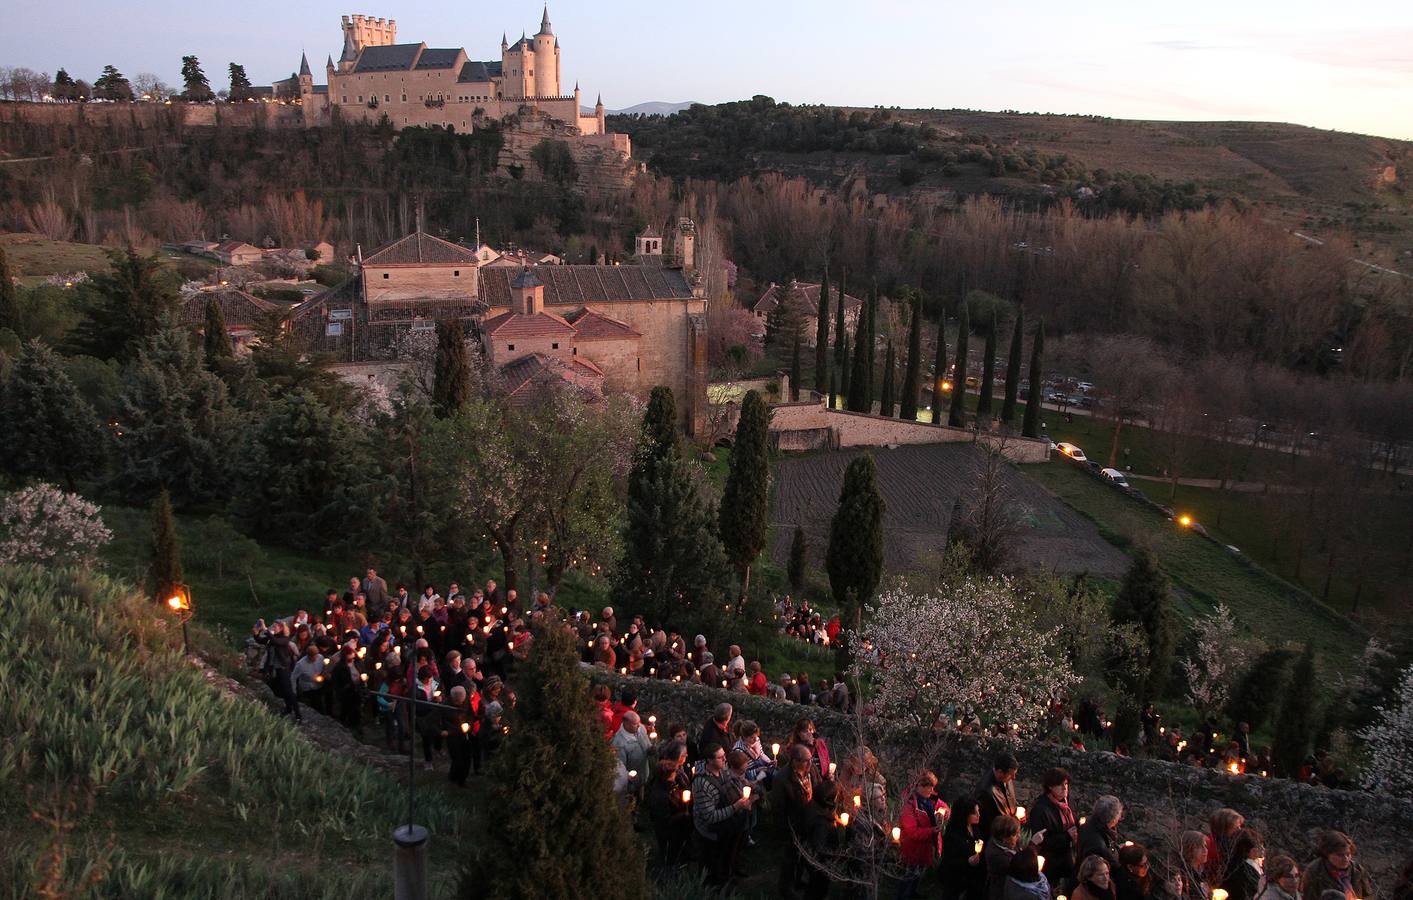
[(350, 50), (545, 22), (503, 43), (330, 63), (304, 65)]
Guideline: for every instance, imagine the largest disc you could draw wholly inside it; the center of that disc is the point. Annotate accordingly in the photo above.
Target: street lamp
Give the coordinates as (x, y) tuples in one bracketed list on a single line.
[(180, 603)]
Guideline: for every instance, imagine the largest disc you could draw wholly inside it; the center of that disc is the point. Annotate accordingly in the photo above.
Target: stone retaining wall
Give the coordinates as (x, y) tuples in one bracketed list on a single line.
[(1161, 799), (853, 429)]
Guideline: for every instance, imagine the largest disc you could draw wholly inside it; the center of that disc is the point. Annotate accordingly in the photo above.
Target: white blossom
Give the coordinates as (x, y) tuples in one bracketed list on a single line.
[(42, 524), (1219, 657), (969, 649), (1390, 740)]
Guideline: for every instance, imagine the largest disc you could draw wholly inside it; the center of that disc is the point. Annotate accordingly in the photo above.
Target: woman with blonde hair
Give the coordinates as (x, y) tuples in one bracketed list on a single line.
[(1223, 827), (1094, 880)]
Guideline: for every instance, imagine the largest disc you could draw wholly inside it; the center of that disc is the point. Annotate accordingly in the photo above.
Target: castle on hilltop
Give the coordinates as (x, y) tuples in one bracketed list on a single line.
[(413, 84)]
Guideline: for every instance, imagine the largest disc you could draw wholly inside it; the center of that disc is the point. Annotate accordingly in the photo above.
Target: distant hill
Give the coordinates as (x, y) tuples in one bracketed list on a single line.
[(1312, 180), (652, 108)]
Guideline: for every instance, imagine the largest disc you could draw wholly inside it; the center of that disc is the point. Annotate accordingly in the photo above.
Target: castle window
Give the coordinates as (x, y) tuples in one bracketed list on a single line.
[(510, 346), (385, 276), (404, 98), (640, 364), (387, 99), (360, 98), (455, 273), (345, 98), (554, 346)]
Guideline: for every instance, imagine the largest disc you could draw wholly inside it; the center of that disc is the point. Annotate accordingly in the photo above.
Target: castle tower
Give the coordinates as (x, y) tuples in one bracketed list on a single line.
[(546, 82), (685, 247), (598, 114), (517, 62)]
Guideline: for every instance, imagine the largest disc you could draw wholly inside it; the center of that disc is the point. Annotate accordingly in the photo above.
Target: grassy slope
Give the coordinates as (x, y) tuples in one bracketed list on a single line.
[(194, 792), (32, 257)]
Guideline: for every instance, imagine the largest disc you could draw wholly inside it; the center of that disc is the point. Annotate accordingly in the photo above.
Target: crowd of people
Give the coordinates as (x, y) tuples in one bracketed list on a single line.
[(370, 652)]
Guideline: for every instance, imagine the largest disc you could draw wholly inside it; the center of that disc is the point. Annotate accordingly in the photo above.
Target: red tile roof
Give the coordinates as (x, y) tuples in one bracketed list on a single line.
[(580, 285), (525, 377), (805, 297), (420, 248), (595, 326), (515, 325)]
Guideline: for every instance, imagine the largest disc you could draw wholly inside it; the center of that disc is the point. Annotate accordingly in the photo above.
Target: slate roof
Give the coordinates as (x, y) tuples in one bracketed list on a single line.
[(805, 297), (595, 326), (388, 58), (420, 248), (475, 70), (443, 58), (582, 285), (237, 307), (510, 325)]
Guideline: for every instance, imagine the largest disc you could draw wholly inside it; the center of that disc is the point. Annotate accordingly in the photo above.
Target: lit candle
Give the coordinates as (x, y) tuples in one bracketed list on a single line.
[(652, 720), (858, 801), (976, 848), (1040, 863), (746, 792), (377, 665), (1128, 843), (686, 796), (1020, 813), (465, 727), (363, 676), (1234, 769), (1219, 894), (844, 819), (775, 749), (633, 773), (652, 735), (833, 767), (1083, 819)]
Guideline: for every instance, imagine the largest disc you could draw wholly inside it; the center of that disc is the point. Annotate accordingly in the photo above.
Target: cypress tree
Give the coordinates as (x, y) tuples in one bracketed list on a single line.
[(213, 334), (799, 548), (166, 571), (833, 397), (1255, 695), (561, 829), (9, 297), (795, 369), (957, 414), (62, 439), (451, 386), (888, 404), (1030, 426), (841, 342), (745, 501), (914, 367), (939, 370), (821, 336), (1296, 720), (658, 437), (988, 373), (1013, 369), (1144, 600), (854, 560), (860, 400)]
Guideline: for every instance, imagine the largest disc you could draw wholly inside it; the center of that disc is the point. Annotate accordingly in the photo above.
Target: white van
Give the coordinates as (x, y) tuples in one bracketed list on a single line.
[(1071, 451), (1115, 476)]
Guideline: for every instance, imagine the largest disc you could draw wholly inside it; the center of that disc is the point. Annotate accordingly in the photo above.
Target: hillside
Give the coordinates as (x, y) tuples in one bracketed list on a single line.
[(124, 762), (1319, 182)]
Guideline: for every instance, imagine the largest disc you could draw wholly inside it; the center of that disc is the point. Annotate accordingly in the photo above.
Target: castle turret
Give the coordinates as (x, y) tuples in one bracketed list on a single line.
[(598, 114), (546, 82), (304, 70)]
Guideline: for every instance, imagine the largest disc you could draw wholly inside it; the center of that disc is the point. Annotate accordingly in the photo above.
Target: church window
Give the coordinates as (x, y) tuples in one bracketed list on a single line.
[(387, 99), (404, 98), (554, 346), (510, 346), (385, 275), (345, 98), (640, 364), (455, 273)]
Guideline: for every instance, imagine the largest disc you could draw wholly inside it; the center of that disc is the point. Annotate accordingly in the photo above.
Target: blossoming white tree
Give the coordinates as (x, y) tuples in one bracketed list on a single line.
[(1219, 656), (969, 648), (1390, 740), (42, 524)]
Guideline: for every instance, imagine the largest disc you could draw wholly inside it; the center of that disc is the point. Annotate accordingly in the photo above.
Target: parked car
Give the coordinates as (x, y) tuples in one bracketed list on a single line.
[(1071, 451), (1116, 477)]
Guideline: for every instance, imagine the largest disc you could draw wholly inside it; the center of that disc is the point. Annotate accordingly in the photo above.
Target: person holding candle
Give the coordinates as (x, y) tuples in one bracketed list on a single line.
[(670, 814), (1025, 880), (631, 745), (1132, 879), (1099, 835), (803, 734), (1242, 880), (997, 795), (806, 811), (920, 824), (1005, 839), (760, 765), (719, 811), (963, 877), (1095, 882), (1051, 812), (457, 728), (1222, 829), (1334, 869)]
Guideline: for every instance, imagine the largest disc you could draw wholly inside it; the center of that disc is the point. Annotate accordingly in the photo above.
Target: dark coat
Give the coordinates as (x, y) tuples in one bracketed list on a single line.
[(1058, 848), (1242, 881), (995, 800), (1097, 839)]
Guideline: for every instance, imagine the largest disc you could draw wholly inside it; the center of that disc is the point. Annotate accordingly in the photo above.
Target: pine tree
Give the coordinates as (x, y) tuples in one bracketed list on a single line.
[(1144, 600), (1013, 369), (198, 89), (1030, 426), (9, 296), (939, 373), (451, 385), (799, 549), (241, 89), (112, 85), (821, 336), (1296, 721), (913, 372), (1256, 693), (795, 370), (889, 404), (61, 438), (125, 306), (559, 829), (745, 501), (988, 374), (957, 414), (214, 338), (854, 560), (165, 574), (64, 88)]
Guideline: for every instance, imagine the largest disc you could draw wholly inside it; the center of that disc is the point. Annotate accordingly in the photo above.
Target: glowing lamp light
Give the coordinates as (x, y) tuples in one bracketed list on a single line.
[(1186, 522), (897, 834)]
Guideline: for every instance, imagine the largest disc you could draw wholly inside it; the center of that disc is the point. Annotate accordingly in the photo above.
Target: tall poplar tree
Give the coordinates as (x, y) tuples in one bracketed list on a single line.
[(1295, 723), (821, 336), (957, 414), (854, 560), (745, 501), (988, 373), (1030, 426), (165, 573), (451, 385), (214, 339), (1013, 369), (564, 824), (939, 371), (889, 403), (1144, 599), (913, 372)]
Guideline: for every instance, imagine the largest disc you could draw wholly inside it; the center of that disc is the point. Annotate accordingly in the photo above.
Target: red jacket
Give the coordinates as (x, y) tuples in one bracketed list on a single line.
[(920, 844), (618, 710), (605, 713), (758, 684)]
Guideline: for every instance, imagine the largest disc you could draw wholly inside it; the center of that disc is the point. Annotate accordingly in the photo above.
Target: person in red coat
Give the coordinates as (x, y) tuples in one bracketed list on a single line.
[(921, 819), (604, 709)]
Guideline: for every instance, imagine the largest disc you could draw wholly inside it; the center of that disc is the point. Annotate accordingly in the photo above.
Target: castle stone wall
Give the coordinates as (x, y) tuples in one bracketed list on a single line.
[(853, 429)]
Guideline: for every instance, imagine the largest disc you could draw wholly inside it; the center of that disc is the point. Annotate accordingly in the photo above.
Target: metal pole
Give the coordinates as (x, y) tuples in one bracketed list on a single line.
[(410, 863), (412, 754)]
